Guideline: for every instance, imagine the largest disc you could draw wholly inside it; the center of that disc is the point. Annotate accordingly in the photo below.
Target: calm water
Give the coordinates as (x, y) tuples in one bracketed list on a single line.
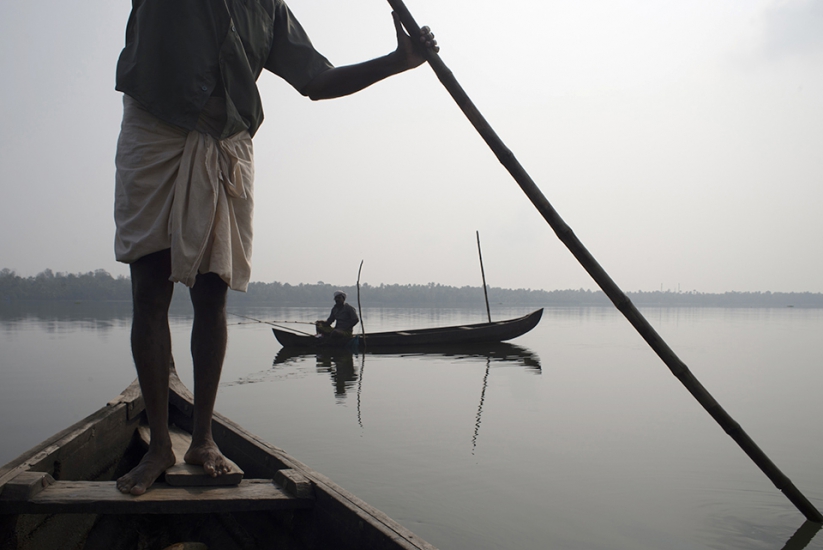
[(575, 437)]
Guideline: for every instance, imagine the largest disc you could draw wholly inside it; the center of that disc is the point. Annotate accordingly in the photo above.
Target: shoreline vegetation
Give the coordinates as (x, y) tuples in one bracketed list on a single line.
[(100, 286)]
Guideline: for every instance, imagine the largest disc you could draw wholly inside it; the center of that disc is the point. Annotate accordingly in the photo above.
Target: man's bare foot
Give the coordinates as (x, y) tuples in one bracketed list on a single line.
[(207, 455), (140, 478)]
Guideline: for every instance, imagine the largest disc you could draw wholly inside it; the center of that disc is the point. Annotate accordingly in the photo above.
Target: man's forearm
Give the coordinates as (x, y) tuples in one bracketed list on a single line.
[(348, 79)]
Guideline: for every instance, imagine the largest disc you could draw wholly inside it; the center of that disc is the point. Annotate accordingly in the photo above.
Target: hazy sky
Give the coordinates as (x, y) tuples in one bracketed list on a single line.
[(682, 141)]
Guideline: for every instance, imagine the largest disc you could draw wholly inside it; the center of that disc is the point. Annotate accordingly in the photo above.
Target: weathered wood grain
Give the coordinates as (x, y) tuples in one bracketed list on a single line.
[(102, 497), (133, 398), (189, 475), (26, 485), (294, 483)]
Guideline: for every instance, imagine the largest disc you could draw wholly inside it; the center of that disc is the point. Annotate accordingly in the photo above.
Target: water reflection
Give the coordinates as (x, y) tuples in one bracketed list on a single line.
[(498, 352), (57, 317), (340, 365), (480, 406), (803, 536), (731, 531)]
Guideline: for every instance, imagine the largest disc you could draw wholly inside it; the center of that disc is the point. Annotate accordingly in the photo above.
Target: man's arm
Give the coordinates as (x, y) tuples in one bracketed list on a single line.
[(341, 81)]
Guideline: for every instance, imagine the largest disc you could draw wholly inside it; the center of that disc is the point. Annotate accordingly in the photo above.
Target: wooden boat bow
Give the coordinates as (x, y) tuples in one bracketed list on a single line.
[(64, 490)]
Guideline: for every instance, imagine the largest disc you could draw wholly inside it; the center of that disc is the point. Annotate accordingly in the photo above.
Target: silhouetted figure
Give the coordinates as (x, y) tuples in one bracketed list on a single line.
[(184, 179), (343, 316)]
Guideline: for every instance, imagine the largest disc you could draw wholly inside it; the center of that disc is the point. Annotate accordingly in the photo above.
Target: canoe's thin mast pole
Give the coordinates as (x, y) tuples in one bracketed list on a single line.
[(483, 274), (609, 287), (359, 310)]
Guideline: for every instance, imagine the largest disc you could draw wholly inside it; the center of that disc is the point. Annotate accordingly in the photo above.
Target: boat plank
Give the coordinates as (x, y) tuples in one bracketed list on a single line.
[(102, 497), (189, 475), (294, 483), (26, 485)]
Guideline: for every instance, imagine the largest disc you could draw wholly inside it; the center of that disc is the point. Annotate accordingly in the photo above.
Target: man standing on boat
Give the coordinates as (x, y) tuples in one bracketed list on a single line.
[(184, 179), (342, 315)]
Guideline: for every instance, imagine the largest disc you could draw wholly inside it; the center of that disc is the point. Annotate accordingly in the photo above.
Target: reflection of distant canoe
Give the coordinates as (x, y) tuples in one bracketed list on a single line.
[(496, 352), (408, 339)]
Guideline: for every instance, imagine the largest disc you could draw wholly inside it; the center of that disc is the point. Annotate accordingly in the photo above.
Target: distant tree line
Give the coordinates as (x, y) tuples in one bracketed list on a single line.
[(99, 285), (47, 285)]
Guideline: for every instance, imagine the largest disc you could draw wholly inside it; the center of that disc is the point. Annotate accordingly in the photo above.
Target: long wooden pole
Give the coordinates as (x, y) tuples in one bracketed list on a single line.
[(483, 274), (609, 287)]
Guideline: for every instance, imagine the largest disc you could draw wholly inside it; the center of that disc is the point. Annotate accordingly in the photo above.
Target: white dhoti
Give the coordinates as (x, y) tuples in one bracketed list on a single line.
[(186, 191)]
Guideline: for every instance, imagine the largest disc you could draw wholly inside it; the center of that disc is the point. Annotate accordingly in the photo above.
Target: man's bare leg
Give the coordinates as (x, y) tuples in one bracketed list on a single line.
[(208, 348), (151, 348)]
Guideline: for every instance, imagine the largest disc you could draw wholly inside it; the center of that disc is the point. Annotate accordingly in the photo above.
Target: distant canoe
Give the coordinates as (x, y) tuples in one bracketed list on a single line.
[(407, 339)]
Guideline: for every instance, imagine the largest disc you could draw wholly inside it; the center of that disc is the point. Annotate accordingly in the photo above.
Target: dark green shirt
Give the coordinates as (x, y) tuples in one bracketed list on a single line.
[(344, 317), (181, 52)]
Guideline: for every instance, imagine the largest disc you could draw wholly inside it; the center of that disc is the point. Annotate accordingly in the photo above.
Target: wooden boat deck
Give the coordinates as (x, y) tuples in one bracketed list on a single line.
[(281, 502)]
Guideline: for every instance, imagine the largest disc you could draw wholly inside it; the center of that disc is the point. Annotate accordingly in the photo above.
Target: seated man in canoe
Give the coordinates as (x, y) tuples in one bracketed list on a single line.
[(342, 315)]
